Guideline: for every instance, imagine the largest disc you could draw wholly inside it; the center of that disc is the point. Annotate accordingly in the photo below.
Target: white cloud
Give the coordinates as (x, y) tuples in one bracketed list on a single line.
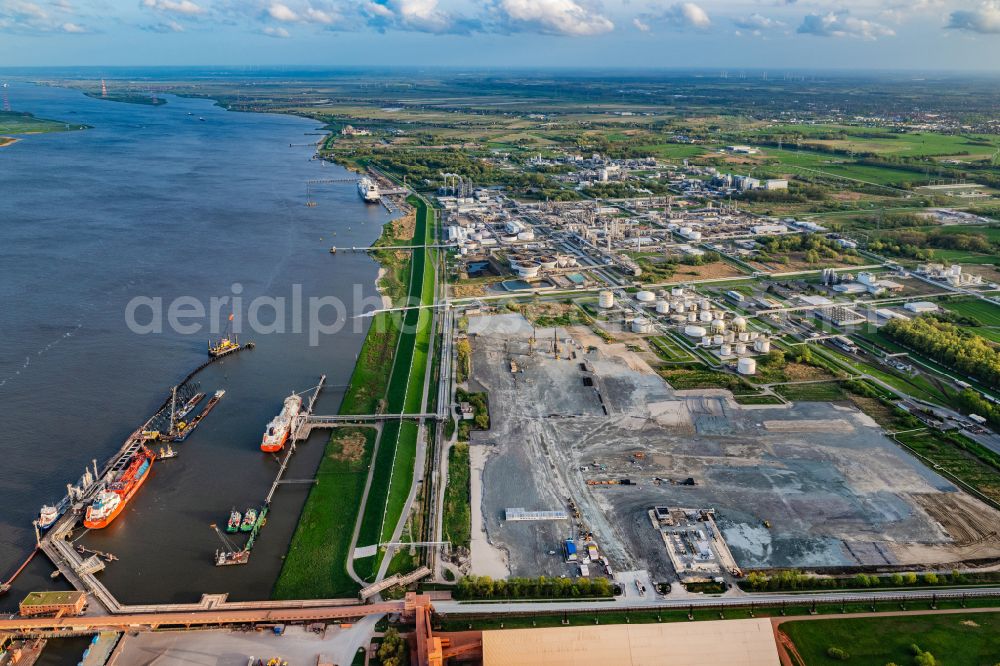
[(842, 24), (560, 17), (279, 32), (25, 9), (415, 15), (640, 25), (313, 15), (757, 23), (25, 16), (184, 7), (680, 16), (283, 13), (690, 14), (984, 20)]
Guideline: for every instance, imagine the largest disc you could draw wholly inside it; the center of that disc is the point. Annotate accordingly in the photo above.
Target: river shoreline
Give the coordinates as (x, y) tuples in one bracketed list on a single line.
[(239, 172)]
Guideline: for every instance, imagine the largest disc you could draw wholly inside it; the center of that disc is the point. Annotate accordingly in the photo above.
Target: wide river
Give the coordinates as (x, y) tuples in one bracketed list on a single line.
[(184, 199)]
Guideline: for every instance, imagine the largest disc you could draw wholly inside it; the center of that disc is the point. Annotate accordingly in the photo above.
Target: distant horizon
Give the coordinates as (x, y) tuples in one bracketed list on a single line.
[(723, 72), (881, 35)]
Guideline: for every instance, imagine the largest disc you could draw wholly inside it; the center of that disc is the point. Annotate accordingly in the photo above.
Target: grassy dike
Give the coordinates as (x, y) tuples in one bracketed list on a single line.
[(316, 563), (398, 447)]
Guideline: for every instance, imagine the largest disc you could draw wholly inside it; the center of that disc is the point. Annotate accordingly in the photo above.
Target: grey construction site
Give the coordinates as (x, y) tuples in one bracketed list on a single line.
[(594, 465)]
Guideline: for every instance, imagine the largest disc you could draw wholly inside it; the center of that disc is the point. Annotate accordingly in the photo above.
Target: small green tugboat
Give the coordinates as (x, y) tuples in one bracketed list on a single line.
[(249, 520), (234, 521)]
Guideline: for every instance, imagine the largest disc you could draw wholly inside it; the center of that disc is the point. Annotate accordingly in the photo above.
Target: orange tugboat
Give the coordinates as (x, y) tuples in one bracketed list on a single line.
[(281, 425), (126, 481)]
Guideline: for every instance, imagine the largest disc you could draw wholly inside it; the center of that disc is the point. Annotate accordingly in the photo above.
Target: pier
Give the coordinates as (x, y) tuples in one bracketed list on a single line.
[(393, 248), (230, 555), (57, 544), (6, 585)]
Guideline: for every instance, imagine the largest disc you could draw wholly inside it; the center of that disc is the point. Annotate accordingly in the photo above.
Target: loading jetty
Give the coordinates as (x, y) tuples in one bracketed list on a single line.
[(6, 585), (78, 568), (230, 554)]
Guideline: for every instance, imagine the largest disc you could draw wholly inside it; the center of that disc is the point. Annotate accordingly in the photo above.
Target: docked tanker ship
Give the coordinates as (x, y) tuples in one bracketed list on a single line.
[(281, 425), (124, 484)]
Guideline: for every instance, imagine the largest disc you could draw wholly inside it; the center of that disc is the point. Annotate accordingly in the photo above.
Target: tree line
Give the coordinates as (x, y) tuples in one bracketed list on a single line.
[(484, 587), (946, 343)]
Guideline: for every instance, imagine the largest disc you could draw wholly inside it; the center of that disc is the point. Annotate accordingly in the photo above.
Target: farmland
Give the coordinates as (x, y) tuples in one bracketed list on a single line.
[(969, 639)]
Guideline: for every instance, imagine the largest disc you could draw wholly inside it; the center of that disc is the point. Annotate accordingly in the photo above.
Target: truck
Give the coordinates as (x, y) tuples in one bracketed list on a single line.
[(570, 549), (978, 419)]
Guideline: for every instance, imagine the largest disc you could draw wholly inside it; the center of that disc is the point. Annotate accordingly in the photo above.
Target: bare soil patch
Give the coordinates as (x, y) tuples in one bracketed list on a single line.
[(352, 447)]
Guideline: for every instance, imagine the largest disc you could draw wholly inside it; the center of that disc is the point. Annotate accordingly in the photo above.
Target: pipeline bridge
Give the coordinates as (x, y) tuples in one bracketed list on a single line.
[(278, 612)]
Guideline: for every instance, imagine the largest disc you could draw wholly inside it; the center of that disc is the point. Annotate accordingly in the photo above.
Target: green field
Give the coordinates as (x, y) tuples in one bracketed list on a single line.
[(992, 232), (315, 566), (987, 313), (971, 639), (397, 446), (322, 538), (682, 379), (25, 123), (964, 257), (457, 510), (819, 392), (959, 458), (670, 350)]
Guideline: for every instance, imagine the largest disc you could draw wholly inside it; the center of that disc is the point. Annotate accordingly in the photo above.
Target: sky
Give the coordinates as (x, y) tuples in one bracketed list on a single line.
[(920, 35)]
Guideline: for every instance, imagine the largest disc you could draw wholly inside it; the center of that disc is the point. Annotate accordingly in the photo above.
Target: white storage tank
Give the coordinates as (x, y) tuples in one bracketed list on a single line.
[(693, 317), (717, 340), (705, 316), (741, 348), (729, 336), (740, 324), (662, 307), (677, 292), (526, 236), (746, 366), (678, 318), (706, 304), (718, 325), (743, 336), (606, 299), (706, 341), (762, 345), (642, 325), (754, 335), (645, 296), (695, 331), (679, 307), (692, 305), (725, 350)]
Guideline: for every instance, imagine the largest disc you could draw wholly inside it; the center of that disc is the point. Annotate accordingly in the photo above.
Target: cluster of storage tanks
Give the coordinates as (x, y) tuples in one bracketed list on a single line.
[(700, 321), (527, 265), (732, 339), (690, 233), (517, 231)]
